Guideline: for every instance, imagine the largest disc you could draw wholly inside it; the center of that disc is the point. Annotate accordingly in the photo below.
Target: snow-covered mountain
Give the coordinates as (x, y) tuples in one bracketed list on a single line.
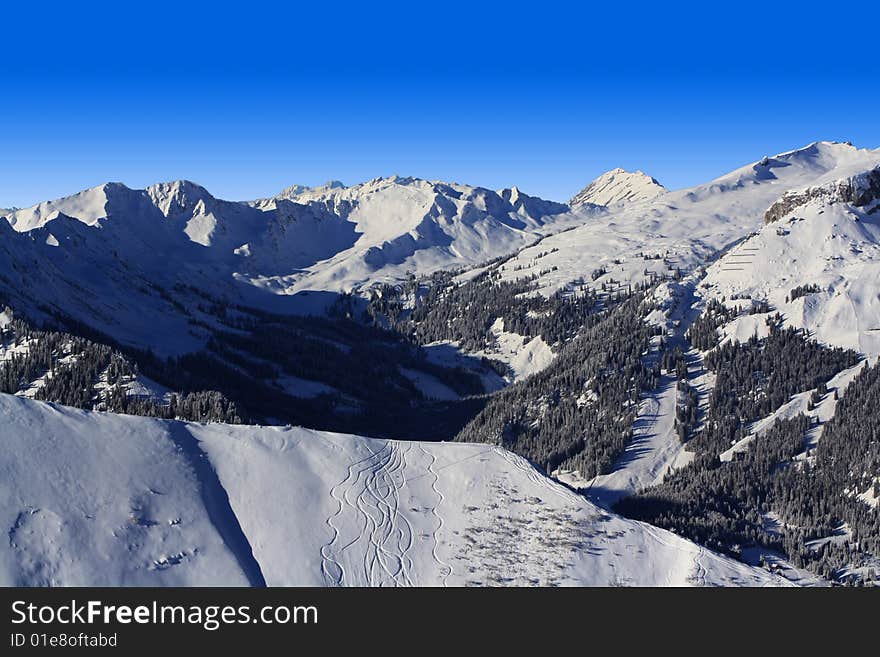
[(825, 240), (295, 190), (300, 238), (412, 225), (101, 499), (108, 255), (686, 228), (617, 187), (815, 263)]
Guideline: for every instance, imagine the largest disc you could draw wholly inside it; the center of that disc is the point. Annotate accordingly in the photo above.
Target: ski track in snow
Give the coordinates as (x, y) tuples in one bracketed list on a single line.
[(328, 561), (445, 569), (396, 530), (533, 475), (371, 491), (699, 570), (328, 552)]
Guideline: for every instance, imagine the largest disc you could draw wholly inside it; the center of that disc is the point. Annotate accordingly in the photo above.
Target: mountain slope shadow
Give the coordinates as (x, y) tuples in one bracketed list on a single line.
[(217, 503)]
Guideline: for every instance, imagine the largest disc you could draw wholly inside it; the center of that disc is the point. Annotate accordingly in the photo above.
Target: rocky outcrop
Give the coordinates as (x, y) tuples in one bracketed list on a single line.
[(858, 190)]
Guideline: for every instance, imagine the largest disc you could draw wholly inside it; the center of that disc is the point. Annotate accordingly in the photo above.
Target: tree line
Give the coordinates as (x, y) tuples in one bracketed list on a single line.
[(75, 371), (773, 495)]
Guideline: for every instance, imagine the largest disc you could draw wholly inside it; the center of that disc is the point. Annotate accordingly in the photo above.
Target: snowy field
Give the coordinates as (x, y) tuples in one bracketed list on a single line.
[(100, 499)]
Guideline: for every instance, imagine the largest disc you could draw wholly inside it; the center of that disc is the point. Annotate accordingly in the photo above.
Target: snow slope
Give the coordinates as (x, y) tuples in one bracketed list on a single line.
[(617, 187), (655, 447), (97, 499), (647, 458), (525, 356), (823, 242), (93, 498)]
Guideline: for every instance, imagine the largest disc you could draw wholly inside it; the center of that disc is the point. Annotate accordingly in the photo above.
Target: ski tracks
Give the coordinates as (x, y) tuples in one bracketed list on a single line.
[(372, 540), (537, 478), (445, 569), (332, 569), (699, 572)]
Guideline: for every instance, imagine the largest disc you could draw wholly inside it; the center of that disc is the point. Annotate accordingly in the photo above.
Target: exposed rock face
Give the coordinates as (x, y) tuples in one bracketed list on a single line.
[(859, 190)]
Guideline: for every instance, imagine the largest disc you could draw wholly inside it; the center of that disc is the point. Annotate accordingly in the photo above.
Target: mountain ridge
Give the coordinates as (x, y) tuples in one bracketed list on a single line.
[(339, 239)]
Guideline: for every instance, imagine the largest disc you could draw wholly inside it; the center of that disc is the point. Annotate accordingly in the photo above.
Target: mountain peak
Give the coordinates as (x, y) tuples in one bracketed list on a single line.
[(826, 154), (297, 190), (88, 205), (619, 186), (821, 146), (177, 188), (178, 196)]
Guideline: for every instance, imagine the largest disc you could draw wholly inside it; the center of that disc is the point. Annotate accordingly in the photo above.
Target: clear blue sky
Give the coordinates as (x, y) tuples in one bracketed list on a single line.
[(247, 100)]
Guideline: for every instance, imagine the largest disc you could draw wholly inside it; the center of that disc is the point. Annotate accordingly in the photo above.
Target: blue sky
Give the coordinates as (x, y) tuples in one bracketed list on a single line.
[(249, 99)]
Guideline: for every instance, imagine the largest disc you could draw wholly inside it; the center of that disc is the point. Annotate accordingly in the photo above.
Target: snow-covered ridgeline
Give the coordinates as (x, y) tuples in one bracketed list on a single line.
[(682, 229)]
